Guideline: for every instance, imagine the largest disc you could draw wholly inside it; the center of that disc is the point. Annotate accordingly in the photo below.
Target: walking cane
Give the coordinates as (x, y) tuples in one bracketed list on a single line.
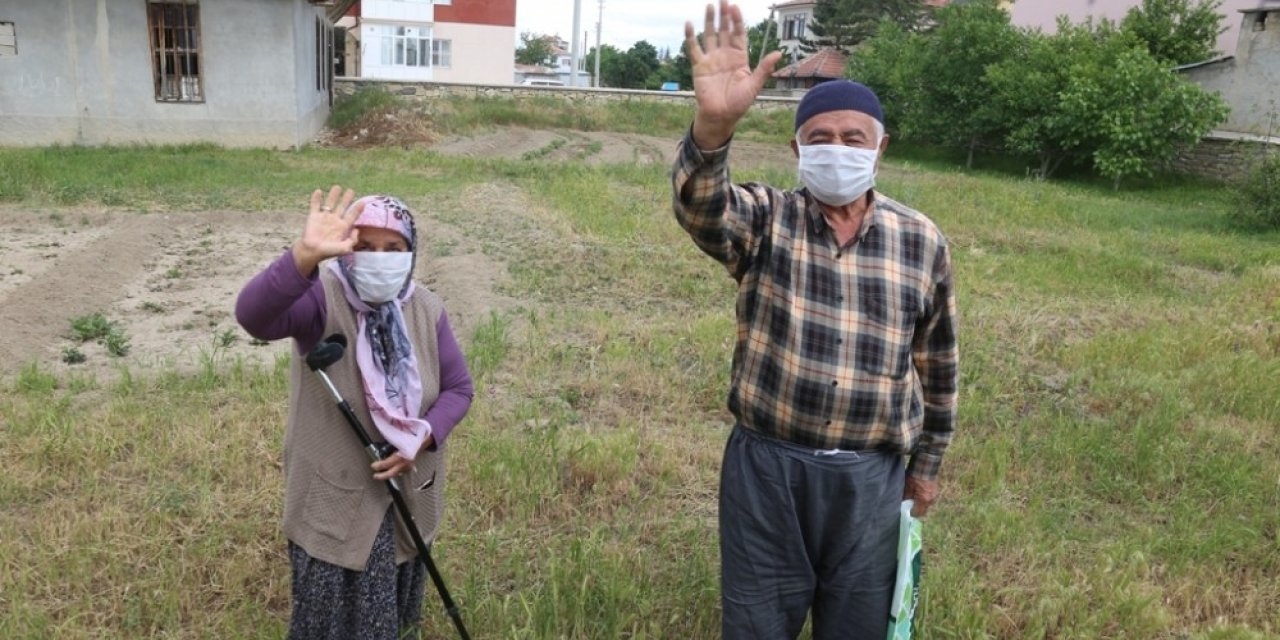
[(329, 351)]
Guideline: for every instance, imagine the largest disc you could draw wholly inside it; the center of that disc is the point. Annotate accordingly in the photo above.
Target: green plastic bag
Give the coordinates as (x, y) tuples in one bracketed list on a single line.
[(906, 590)]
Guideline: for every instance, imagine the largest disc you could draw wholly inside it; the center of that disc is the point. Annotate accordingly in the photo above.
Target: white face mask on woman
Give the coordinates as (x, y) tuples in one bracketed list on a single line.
[(836, 174), (378, 276)]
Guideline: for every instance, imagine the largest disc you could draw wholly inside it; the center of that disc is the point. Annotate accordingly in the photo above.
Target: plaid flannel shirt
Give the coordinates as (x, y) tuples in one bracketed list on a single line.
[(848, 347)]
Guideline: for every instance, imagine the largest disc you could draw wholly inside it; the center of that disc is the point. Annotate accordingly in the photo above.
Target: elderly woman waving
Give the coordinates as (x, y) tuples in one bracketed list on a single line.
[(355, 572)]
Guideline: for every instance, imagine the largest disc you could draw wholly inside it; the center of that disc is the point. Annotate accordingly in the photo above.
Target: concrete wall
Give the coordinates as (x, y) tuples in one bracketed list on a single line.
[(311, 102), (1224, 157), (83, 75), (1249, 82), (434, 90), (481, 53)]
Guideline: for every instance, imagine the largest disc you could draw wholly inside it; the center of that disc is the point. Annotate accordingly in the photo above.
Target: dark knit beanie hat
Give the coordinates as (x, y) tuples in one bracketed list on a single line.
[(838, 95)]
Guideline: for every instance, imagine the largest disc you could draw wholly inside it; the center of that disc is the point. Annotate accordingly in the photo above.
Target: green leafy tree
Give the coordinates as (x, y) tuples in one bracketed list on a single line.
[(1131, 111), (609, 67), (678, 70), (955, 107), (892, 64), (636, 68), (1176, 31), (845, 23), (757, 36), (1027, 89), (535, 49)]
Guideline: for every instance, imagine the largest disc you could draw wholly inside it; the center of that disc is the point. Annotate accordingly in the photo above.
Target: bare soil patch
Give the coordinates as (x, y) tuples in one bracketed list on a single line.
[(598, 147), (170, 281)]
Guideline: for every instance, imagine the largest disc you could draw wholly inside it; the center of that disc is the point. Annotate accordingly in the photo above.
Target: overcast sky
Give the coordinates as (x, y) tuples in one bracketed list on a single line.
[(660, 22)]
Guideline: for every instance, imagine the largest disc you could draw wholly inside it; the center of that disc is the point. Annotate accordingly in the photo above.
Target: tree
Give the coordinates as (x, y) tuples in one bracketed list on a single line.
[(956, 106), (535, 49), (609, 54), (1176, 32), (756, 36), (637, 65), (1027, 88), (892, 64), (1131, 111), (845, 23), (678, 70)]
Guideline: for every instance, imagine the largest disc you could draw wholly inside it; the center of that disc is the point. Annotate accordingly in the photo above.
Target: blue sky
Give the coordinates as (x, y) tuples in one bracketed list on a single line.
[(660, 22)]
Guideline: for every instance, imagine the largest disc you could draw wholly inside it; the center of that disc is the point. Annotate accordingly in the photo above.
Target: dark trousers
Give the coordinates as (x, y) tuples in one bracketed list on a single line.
[(802, 530)]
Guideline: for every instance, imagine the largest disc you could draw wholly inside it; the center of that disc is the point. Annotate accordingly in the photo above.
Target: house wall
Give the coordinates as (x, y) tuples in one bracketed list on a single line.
[(312, 102), (1224, 158), (1044, 14), (83, 76), (476, 47), (1249, 82)]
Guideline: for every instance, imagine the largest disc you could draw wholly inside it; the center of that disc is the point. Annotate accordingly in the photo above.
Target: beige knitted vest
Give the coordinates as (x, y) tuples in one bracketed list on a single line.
[(333, 506)]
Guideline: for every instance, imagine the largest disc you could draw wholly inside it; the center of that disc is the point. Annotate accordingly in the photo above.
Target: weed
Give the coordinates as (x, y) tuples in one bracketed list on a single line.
[(349, 109), (543, 151), (153, 307), (173, 273), (226, 338), (117, 343), (72, 355), (94, 326)]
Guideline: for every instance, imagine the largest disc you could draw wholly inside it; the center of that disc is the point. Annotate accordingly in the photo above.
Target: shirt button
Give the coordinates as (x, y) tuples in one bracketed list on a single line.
[(828, 423), (838, 254), (835, 382), (839, 340), (839, 298)]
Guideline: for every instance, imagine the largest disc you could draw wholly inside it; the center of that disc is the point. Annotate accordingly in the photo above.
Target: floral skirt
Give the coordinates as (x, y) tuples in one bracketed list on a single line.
[(383, 602)]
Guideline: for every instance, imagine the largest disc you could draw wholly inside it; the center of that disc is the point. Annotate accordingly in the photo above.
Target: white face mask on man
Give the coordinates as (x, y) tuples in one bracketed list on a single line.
[(378, 276), (837, 174)]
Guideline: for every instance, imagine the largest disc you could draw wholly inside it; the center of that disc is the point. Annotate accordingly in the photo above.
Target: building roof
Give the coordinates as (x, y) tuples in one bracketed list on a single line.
[(826, 63), (1204, 63), (793, 3)]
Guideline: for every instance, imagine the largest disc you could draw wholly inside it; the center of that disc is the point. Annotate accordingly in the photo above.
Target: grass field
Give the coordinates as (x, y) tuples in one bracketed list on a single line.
[(1115, 474)]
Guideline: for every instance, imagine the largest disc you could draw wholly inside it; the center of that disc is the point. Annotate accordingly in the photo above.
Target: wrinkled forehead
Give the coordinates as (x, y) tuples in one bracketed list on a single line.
[(841, 124)]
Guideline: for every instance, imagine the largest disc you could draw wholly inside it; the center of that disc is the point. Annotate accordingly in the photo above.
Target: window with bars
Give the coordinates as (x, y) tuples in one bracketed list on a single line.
[(175, 50)]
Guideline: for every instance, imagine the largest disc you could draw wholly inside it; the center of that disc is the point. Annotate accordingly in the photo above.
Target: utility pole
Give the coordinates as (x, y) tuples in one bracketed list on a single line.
[(574, 54), (599, 51)]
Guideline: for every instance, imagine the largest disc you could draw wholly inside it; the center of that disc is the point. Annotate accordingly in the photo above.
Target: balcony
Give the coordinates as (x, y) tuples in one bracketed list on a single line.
[(398, 10)]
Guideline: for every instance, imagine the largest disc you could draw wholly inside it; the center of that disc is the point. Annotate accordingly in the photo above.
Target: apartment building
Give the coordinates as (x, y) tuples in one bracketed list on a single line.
[(465, 41)]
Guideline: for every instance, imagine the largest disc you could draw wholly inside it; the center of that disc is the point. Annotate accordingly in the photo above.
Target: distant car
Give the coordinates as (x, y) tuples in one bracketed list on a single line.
[(541, 82), (671, 86)]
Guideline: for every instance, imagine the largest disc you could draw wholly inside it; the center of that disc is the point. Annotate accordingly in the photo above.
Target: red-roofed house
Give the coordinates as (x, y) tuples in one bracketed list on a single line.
[(806, 73)]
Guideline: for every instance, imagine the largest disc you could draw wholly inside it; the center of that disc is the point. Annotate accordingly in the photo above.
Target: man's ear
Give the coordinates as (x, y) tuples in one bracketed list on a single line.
[(884, 144), (795, 147)]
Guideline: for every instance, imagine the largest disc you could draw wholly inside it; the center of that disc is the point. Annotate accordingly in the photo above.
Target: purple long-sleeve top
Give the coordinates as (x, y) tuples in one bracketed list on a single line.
[(279, 303)]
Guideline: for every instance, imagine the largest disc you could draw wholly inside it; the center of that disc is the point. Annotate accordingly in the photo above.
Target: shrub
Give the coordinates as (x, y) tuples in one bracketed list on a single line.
[(352, 108), (1257, 196)]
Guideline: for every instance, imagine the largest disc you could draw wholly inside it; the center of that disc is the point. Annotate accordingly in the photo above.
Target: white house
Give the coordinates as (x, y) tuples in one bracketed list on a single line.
[(794, 20), (233, 72), (466, 41)]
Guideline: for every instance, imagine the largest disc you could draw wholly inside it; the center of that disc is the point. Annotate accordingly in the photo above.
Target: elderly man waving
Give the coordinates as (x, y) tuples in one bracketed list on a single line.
[(845, 368)]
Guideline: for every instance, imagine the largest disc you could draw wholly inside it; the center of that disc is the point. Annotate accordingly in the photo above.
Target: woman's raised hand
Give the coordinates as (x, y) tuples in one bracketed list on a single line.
[(724, 84), (329, 230)]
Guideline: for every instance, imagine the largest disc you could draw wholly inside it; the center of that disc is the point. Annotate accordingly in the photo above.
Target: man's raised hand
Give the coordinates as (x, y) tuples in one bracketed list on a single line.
[(724, 84)]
